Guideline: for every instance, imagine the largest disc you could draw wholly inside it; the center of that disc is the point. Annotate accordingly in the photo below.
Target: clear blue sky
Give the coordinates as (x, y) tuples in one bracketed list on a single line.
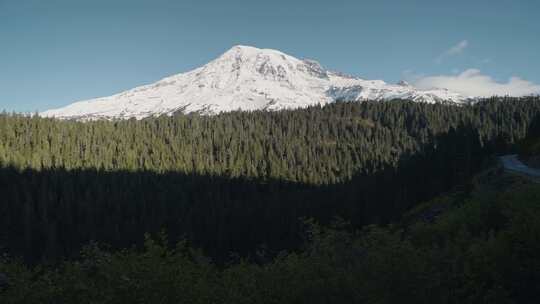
[(55, 52)]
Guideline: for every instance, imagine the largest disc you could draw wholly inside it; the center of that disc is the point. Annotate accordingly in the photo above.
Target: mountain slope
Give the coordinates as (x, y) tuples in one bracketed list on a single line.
[(245, 78)]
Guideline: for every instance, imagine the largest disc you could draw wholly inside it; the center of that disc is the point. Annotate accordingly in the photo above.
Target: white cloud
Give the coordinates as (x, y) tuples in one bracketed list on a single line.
[(473, 83), (458, 48), (454, 50)]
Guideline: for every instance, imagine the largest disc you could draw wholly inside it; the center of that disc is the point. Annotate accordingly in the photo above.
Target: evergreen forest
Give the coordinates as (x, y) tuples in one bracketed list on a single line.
[(371, 202)]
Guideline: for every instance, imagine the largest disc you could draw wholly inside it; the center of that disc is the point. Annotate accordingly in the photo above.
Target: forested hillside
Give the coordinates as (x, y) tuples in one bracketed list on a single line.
[(237, 181), (483, 248), (314, 146)]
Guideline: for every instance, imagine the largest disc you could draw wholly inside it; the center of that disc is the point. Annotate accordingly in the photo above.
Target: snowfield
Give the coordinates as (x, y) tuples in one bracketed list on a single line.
[(246, 78)]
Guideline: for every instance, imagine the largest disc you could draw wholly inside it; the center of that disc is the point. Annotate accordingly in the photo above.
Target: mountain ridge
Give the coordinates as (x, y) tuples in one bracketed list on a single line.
[(246, 78)]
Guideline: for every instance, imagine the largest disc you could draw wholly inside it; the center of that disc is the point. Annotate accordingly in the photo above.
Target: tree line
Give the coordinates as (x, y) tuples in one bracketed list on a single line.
[(236, 181)]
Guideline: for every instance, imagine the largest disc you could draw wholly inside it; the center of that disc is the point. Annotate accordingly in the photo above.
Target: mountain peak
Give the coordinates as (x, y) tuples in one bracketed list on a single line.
[(244, 78), (241, 47), (250, 51)]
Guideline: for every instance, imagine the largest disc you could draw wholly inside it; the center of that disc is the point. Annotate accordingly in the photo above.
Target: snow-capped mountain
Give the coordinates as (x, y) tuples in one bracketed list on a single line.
[(246, 78)]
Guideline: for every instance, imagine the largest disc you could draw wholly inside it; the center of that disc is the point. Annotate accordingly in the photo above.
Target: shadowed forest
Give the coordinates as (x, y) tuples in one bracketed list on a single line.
[(318, 197)]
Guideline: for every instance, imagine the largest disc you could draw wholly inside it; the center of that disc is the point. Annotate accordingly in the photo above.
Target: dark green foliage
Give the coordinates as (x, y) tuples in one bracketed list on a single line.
[(239, 182), (315, 146), (236, 181), (484, 249), (529, 147)]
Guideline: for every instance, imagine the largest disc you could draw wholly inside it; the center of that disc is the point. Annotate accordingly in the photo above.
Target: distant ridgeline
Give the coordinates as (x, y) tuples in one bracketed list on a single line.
[(234, 181)]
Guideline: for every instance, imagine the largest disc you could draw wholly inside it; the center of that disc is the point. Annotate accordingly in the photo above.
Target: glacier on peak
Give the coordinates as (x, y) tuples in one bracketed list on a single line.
[(245, 78)]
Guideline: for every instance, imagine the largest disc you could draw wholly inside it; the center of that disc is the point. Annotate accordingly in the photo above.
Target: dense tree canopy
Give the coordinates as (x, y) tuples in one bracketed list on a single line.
[(315, 145), (482, 249), (235, 181)]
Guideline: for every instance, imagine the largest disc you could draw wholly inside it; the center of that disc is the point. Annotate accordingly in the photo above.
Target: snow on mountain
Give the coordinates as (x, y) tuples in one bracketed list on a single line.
[(245, 78)]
